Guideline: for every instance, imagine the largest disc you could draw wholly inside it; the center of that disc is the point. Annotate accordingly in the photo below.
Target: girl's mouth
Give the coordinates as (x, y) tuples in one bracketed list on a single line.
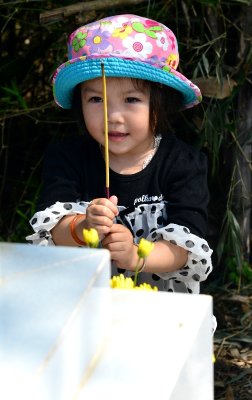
[(117, 136)]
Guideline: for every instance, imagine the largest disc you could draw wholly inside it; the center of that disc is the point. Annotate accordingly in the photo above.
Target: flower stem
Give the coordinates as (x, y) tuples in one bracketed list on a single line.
[(136, 272)]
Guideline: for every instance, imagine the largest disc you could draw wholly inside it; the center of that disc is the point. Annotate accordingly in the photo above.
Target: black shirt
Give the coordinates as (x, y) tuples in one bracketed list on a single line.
[(173, 186)]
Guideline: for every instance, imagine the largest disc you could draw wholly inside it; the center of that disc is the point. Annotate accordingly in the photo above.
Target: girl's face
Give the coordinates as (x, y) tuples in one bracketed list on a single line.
[(128, 115)]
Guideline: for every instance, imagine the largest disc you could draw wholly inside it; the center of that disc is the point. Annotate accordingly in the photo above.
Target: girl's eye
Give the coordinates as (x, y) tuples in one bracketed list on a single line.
[(132, 100), (95, 99)]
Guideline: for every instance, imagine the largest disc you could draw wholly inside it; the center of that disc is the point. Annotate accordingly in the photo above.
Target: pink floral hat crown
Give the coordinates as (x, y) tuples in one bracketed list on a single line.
[(129, 46)]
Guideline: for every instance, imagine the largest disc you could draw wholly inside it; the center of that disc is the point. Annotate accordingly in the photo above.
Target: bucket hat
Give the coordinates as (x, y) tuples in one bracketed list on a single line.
[(129, 46)]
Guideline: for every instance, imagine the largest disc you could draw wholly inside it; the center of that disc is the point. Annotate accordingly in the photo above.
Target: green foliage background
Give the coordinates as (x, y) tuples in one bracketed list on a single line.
[(210, 35)]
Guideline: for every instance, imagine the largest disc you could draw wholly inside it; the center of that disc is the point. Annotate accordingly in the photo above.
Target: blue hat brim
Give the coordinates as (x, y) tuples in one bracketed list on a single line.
[(70, 74)]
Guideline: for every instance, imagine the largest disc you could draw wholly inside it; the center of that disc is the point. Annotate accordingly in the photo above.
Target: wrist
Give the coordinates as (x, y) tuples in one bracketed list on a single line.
[(134, 258), (76, 227)]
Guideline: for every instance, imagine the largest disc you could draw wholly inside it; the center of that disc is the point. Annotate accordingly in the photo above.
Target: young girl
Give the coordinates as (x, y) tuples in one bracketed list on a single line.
[(158, 184)]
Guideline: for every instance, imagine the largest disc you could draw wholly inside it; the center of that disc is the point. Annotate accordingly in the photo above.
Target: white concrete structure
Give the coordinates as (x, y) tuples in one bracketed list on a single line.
[(64, 334)]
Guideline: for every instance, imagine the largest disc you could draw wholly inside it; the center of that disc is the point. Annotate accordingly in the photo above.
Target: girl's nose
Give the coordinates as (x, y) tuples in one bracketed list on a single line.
[(115, 115)]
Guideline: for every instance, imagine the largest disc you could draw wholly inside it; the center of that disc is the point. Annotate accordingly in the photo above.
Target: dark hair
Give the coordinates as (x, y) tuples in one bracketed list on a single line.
[(165, 102), (77, 109)]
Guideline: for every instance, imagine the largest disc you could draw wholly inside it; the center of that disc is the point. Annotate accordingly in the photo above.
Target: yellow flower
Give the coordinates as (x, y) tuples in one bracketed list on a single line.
[(91, 237), (121, 282), (146, 286), (122, 33), (144, 248), (172, 60)]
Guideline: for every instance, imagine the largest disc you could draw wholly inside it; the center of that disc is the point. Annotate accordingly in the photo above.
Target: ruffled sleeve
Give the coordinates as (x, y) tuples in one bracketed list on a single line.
[(199, 264), (44, 221)]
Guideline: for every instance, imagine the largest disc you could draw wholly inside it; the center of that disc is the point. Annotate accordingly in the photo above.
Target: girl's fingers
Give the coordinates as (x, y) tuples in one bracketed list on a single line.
[(118, 235), (100, 211), (96, 220), (114, 200), (119, 228), (100, 214), (105, 203)]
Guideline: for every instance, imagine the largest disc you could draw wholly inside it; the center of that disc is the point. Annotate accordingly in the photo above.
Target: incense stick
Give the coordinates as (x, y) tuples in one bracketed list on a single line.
[(106, 147)]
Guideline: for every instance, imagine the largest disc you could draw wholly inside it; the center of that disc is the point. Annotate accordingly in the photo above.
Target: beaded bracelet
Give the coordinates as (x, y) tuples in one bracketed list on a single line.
[(73, 232)]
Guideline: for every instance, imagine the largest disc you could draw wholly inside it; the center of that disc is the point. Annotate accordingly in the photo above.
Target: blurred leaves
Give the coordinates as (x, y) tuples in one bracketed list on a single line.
[(11, 94)]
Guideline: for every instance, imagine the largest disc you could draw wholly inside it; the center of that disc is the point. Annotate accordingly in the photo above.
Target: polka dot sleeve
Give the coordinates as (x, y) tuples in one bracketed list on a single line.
[(198, 265), (44, 221)]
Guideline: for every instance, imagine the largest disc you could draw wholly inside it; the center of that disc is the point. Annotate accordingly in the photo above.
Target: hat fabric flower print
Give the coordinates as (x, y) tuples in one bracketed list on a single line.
[(129, 46)]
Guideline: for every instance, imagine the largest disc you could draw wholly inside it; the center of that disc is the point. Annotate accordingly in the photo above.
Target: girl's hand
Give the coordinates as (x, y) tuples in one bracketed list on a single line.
[(119, 241), (100, 214)]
